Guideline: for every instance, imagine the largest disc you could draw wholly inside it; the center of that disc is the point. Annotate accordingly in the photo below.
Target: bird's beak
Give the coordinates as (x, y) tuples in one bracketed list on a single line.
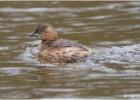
[(33, 34)]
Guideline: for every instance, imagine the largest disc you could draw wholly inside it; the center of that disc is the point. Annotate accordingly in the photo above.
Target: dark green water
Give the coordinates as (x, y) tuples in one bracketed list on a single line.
[(111, 29)]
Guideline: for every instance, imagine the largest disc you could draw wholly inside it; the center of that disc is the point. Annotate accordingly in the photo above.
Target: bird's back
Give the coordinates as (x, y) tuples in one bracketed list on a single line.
[(64, 50)]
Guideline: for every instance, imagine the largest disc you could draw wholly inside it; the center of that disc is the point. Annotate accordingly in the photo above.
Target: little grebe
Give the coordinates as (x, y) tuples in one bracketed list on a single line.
[(55, 49)]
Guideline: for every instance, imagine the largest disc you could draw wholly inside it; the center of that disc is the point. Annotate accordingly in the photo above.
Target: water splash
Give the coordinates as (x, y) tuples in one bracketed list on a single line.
[(29, 55), (121, 55)]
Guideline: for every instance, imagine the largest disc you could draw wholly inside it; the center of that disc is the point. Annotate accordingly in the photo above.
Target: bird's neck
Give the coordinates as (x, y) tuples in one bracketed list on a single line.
[(46, 43)]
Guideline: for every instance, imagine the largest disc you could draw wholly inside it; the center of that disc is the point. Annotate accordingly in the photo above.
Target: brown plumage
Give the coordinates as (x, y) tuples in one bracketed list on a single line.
[(55, 49)]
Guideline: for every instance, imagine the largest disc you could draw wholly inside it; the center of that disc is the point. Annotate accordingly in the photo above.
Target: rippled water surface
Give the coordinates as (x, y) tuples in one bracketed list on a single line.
[(111, 29)]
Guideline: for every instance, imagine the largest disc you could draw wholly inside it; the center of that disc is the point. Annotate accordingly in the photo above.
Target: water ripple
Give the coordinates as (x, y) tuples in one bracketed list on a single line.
[(111, 29)]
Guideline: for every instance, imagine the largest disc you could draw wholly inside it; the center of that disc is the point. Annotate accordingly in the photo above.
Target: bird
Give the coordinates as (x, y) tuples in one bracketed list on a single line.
[(56, 49)]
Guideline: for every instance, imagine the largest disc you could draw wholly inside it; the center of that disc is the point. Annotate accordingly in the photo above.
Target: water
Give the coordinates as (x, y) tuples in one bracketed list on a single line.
[(111, 29)]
